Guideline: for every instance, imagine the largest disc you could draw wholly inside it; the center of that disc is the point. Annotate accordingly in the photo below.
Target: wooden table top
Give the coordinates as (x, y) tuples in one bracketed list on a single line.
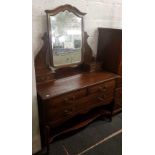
[(72, 83)]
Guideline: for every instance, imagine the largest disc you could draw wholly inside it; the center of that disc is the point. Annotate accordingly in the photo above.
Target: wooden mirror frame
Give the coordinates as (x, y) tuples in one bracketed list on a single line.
[(54, 12), (45, 72)]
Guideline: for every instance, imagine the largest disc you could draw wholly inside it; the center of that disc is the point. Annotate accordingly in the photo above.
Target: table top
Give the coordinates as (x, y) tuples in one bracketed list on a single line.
[(73, 83)]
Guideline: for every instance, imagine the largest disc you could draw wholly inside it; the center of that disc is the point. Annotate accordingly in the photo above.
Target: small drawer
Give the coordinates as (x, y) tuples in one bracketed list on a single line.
[(57, 114), (102, 88), (63, 98), (67, 99), (91, 101)]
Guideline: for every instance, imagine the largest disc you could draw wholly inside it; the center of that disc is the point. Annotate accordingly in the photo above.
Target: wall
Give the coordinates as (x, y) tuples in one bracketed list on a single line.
[(100, 13)]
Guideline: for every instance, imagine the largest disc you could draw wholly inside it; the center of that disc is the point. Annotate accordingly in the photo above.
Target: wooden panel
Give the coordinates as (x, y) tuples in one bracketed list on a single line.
[(110, 49)]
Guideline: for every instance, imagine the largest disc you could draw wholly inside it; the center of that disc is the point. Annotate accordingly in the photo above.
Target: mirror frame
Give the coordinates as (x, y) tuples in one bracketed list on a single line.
[(53, 12)]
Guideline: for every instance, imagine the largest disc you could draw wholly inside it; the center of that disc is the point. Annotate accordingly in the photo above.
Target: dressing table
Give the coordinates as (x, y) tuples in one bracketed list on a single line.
[(72, 87)]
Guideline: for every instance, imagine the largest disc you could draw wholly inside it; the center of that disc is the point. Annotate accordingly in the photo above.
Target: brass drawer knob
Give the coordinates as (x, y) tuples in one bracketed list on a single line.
[(66, 100), (69, 100), (103, 89), (67, 112), (101, 98)]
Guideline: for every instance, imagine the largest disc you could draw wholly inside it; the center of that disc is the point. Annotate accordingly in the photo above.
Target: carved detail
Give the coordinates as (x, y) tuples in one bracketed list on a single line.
[(88, 51), (42, 62), (88, 54), (66, 7)]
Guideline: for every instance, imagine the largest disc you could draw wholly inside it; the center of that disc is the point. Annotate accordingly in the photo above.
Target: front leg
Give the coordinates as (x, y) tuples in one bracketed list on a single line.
[(107, 112), (47, 135)]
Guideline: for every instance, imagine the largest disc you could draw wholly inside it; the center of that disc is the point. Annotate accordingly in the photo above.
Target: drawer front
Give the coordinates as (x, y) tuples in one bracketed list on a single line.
[(105, 89), (58, 114), (91, 101), (67, 99), (63, 106), (63, 100)]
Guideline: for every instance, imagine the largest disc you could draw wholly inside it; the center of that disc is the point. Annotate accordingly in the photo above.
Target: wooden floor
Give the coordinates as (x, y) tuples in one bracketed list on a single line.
[(99, 138)]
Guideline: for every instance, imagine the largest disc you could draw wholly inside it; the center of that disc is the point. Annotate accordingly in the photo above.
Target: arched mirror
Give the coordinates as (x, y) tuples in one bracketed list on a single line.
[(66, 36)]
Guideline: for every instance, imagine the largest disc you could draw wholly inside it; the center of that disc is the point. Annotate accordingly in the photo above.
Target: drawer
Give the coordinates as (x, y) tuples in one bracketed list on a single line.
[(62, 106), (58, 114), (91, 101), (106, 88), (66, 99)]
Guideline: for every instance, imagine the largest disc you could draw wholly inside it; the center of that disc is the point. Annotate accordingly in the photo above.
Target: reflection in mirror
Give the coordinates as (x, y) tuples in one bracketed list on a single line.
[(66, 32)]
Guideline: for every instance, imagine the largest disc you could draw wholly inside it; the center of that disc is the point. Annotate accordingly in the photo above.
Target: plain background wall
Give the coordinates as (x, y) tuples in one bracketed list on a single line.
[(100, 13)]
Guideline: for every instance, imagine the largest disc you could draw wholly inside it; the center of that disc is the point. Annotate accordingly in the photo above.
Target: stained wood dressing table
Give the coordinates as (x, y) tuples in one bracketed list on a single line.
[(84, 95), (70, 97), (67, 97)]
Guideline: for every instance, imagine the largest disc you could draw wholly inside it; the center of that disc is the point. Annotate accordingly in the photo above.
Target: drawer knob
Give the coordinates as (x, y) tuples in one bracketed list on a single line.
[(103, 89), (101, 98), (67, 112), (69, 100), (66, 99)]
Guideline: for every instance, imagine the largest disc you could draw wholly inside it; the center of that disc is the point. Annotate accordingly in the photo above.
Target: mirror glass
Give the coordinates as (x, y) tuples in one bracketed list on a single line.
[(66, 38)]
